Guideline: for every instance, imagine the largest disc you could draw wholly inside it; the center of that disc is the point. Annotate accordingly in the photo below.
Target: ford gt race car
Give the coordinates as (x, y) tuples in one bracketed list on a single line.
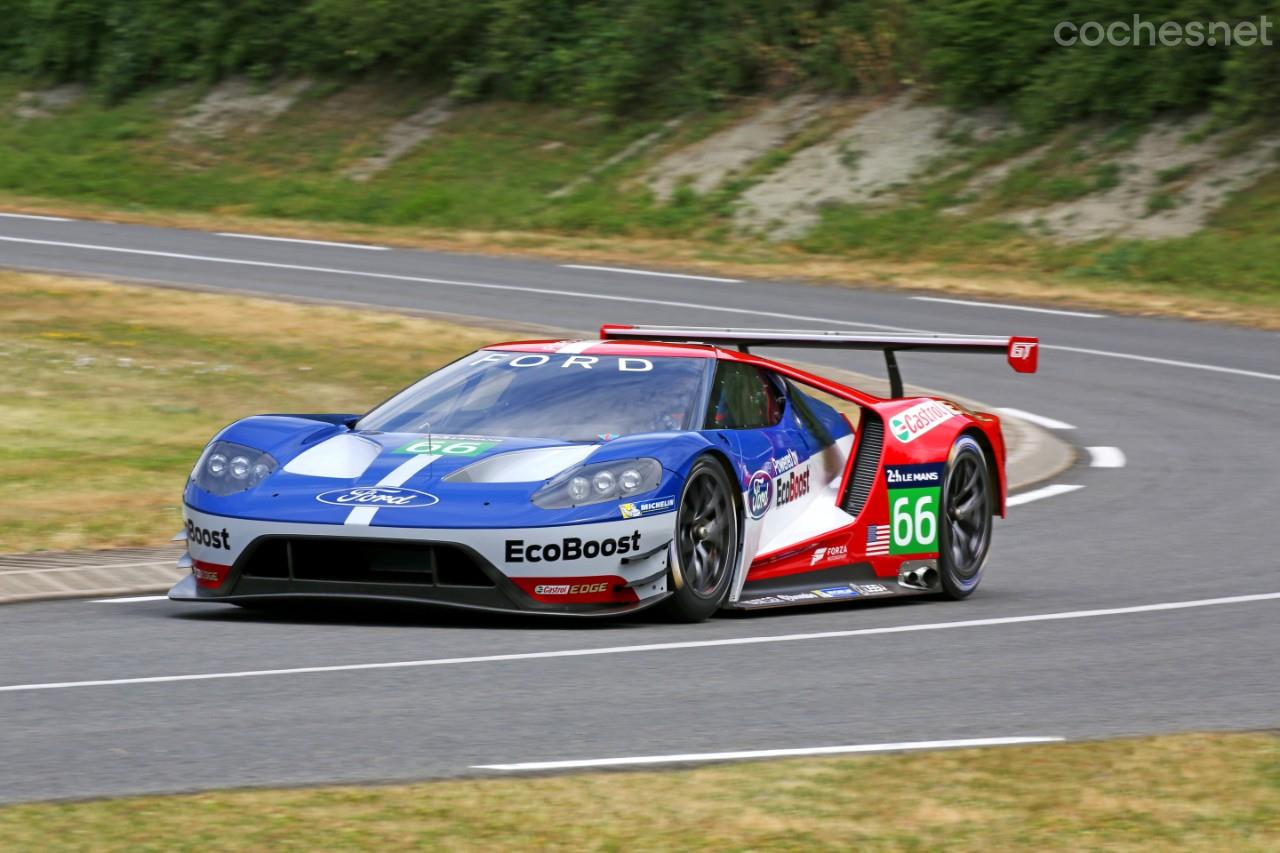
[(657, 466)]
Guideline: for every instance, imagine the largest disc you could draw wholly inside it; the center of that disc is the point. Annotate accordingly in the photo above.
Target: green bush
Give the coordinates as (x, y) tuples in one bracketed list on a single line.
[(618, 55), (983, 51)]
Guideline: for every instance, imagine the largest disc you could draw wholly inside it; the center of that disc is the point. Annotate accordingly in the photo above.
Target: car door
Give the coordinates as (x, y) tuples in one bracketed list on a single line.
[(782, 462)]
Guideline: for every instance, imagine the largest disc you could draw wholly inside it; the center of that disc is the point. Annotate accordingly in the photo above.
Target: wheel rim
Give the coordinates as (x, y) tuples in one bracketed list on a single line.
[(968, 516), (705, 533)]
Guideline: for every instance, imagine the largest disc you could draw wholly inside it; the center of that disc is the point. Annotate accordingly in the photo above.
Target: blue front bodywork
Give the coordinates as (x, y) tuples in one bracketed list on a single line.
[(290, 497)]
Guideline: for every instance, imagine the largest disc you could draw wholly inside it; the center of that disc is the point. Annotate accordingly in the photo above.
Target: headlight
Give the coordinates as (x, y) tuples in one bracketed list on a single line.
[(226, 468), (603, 481)]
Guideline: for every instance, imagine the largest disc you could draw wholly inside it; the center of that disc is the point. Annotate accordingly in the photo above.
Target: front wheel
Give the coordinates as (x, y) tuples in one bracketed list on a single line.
[(965, 531), (706, 544)]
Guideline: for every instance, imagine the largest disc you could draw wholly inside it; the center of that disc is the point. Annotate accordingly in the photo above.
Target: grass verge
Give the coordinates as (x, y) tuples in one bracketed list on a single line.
[(756, 259), (111, 391), (1184, 792), (494, 178)]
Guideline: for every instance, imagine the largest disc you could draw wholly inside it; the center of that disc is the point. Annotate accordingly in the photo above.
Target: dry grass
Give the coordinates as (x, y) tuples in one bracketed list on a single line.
[(749, 259), (110, 391), (1187, 792)]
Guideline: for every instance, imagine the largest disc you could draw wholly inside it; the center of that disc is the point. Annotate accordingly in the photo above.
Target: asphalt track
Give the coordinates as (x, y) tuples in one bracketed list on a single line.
[(1190, 517)]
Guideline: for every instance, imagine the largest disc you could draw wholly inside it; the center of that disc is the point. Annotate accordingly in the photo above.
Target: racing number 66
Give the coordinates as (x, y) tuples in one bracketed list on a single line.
[(915, 521), (457, 448)]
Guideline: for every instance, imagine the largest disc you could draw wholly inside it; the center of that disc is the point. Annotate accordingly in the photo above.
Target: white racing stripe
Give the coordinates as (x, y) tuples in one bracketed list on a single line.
[(1106, 457), (34, 216), (768, 753), (652, 647), (653, 272), (580, 295), (1040, 494), (1038, 420), (979, 304), (135, 599), (397, 478), (364, 246)]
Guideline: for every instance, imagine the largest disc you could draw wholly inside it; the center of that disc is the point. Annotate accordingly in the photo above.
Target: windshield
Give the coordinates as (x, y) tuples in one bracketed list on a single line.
[(542, 395)]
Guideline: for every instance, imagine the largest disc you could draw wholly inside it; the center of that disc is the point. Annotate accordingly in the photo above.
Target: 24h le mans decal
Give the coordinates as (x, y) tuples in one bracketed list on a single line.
[(914, 494)]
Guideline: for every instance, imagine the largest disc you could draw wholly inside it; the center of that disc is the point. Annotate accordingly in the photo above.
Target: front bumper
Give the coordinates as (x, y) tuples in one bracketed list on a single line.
[(602, 568)]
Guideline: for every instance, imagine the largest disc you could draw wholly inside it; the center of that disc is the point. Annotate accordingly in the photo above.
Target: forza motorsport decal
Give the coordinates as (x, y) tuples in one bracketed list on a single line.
[(450, 445), (914, 494), (829, 554), (910, 424)]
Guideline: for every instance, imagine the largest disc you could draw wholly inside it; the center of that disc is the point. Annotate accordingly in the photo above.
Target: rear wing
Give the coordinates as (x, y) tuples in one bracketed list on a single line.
[(1021, 353)]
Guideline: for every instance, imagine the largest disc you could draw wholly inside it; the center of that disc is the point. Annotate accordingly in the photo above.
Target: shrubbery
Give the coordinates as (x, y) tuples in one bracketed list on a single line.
[(620, 55)]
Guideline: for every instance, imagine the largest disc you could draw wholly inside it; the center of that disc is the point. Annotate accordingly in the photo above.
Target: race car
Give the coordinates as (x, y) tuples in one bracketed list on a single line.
[(654, 467)]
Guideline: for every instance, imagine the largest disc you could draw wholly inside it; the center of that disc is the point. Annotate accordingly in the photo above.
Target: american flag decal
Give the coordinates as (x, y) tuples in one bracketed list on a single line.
[(877, 540)]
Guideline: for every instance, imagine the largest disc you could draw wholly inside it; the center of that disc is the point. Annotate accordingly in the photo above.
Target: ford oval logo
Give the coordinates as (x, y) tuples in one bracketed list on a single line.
[(377, 496), (759, 494)]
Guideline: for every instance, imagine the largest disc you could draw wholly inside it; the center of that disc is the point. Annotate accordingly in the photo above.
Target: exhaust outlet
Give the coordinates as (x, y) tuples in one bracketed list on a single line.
[(919, 575)]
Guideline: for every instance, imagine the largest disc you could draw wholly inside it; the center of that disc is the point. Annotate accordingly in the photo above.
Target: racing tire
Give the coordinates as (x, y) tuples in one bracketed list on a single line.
[(965, 518), (705, 549)]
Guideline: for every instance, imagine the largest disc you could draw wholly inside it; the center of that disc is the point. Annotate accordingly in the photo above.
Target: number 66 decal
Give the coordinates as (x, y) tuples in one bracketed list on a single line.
[(914, 494), (915, 521)]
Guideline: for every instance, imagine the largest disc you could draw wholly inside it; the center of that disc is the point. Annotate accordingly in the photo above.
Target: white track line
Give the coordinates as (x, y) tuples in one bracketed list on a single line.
[(979, 304), (58, 569), (1038, 420), (768, 753), (580, 295), (364, 246), (652, 272), (652, 647), (131, 600), (1106, 457), (1194, 365), (476, 285), (33, 216), (1040, 494)]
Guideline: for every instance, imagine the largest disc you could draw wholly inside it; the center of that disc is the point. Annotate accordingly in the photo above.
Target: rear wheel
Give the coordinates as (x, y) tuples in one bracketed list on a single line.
[(706, 544), (965, 529)]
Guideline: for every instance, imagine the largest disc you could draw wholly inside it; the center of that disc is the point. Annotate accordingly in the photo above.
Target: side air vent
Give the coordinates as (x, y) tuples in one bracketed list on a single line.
[(866, 462)]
